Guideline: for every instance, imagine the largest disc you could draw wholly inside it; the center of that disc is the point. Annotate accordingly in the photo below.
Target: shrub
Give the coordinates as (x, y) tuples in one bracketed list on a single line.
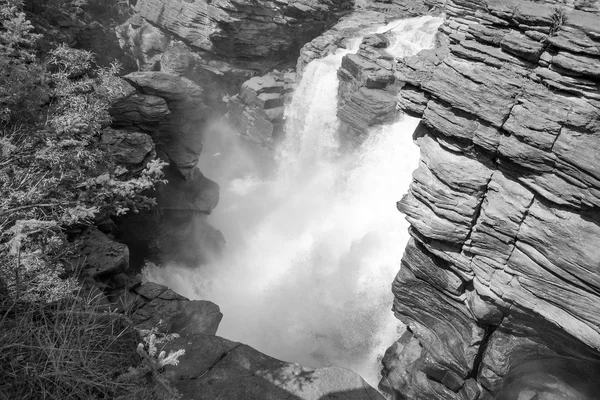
[(54, 178), (53, 174), (75, 349)]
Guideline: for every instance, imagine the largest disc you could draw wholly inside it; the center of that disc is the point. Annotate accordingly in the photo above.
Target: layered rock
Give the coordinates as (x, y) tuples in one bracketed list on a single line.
[(155, 306), (339, 36), (502, 273), (257, 111), (216, 368), (222, 44), (171, 110), (367, 91)]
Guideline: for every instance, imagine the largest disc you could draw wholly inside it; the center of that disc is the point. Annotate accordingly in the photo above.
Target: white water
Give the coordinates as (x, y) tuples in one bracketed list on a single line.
[(312, 249)]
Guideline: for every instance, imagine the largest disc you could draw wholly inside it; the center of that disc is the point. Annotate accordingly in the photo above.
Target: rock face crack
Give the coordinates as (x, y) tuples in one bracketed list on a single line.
[(489, 330), (512, 106), (509, 91), (217, 362), (479, 208), (561, 128), (525, 214)]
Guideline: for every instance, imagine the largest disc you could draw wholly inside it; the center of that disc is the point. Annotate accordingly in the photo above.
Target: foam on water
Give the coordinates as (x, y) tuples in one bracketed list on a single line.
[(313, 247)]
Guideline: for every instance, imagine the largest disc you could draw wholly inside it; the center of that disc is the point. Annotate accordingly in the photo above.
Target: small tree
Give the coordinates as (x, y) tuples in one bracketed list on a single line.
[(53, 173)]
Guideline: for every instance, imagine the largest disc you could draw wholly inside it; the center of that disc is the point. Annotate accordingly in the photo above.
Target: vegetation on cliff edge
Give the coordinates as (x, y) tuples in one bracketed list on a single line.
[(56, 177)]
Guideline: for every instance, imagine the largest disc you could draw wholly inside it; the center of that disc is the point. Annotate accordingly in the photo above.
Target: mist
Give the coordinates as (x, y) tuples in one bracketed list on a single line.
[(314, 239)]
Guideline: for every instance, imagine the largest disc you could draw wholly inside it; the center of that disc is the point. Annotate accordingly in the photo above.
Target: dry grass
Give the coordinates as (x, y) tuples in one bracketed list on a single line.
[(66, 350)]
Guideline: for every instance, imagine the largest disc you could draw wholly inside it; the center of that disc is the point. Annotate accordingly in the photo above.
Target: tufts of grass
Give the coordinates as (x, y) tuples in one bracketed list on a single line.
[(64, 350)]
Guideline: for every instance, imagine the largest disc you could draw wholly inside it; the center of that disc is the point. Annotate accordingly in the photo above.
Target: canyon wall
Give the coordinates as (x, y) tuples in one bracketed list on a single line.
[(501, 279), (192, 59), (221, 44)]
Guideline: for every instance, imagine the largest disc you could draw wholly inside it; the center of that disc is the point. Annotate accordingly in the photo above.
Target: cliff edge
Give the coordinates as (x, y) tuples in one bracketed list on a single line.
[(500, 281)]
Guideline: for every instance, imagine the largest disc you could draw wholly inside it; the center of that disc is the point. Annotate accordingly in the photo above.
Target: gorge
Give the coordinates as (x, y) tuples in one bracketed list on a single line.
[(390, 194), (316, 236), (504, 80)]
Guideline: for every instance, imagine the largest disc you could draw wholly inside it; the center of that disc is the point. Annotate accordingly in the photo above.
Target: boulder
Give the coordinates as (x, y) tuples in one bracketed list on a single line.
[(256, 113), (216, 368), (130, 149), (99, 256), (155, 306)]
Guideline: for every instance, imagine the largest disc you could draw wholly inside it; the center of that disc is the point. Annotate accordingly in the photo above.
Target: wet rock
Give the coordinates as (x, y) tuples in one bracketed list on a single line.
[(504, 201), (213, 367), (197, 194), (402, 365), (367, 107), (336, 38), (151, 305), (257, 111), (171, 108), (430, 313)]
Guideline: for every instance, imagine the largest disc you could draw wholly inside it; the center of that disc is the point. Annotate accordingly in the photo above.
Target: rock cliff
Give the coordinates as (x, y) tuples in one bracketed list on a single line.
[(499, 284), (221, 44), (501, 277), (193, 58), (216, 368)]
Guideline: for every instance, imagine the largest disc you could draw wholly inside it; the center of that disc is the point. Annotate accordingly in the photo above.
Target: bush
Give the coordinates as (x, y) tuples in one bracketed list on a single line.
[(75, 349), (54, 175)]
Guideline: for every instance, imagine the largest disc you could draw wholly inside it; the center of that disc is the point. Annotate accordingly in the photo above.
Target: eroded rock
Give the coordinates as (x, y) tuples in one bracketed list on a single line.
[(503, 204), (155, 306), (214, 368)]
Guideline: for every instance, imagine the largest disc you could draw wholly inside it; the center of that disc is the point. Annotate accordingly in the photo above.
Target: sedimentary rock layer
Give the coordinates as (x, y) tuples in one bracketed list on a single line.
[(503, 269), (221, 44)]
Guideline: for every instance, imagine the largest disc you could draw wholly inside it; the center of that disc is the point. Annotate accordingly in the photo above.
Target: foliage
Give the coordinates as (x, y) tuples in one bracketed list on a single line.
[(56, 176), (559, 17), (35, 246), (76, 349), (64, 350), (54, 173), (21, 89), (153, 362)]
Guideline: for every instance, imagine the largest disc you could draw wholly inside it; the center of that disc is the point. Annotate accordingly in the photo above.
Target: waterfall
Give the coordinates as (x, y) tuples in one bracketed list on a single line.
[(312, 248)]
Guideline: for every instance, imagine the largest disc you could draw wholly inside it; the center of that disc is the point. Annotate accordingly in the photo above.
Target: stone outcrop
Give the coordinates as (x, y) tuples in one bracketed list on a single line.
[(399, 8), (170, 110), (168, 107), (502, 271), (257, 111), (155, 306), (214, 368), (99, 256), (366, 92), (338, 36), (222, 44)]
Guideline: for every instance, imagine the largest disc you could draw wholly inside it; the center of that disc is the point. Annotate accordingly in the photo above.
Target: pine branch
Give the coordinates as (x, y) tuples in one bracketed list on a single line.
[(40, 205)]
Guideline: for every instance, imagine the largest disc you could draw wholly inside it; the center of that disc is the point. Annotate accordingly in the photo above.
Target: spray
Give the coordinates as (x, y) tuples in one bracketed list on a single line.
[(313, 244)]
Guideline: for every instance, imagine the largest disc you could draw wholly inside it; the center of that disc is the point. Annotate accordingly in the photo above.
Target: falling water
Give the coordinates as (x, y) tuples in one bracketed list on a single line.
[(313, 248)]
